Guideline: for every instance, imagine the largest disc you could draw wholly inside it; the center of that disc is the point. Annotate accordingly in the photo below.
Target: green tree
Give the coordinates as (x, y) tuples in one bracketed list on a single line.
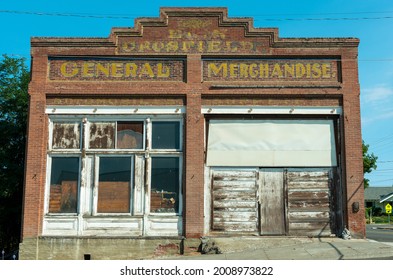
[(14, 79), (369, 163)]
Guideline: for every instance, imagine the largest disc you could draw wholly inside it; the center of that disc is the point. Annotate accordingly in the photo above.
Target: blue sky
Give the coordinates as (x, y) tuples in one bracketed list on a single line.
[(370, 21)]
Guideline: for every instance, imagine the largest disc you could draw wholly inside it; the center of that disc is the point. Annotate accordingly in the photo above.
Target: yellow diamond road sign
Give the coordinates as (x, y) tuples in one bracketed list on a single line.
[(388, 208)]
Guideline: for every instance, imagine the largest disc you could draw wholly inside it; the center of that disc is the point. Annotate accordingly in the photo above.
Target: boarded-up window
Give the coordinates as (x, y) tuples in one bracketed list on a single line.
[(66, 136), (114, 185), (102, 135), (165, 185), (271, 143), (64, 185), (166, 135), (129, 135)]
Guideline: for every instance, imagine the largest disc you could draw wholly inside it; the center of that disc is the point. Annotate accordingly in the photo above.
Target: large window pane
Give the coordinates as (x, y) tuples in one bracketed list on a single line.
[(129, 135), (64, 185), (166, 135), (66, 136), (102, 135), (165, 185), (114, 185)]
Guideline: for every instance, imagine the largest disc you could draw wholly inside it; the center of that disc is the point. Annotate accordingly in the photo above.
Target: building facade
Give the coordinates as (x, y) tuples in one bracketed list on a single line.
[(190, 124)]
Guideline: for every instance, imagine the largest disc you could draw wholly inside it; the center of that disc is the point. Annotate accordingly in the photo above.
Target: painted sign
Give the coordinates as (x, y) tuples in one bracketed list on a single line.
[(116, 70), (254, 70), (190, 46), (192, 35)]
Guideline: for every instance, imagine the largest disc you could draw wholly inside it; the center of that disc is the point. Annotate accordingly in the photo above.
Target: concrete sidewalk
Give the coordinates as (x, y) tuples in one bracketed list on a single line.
[(293, 248)]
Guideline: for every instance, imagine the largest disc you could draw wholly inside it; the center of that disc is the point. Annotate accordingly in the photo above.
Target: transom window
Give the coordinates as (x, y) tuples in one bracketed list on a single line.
[(116, 135)]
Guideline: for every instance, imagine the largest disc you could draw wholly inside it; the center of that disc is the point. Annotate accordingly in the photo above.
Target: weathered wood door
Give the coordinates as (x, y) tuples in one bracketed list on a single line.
[(310, 210), (234, 201), (272, 202)]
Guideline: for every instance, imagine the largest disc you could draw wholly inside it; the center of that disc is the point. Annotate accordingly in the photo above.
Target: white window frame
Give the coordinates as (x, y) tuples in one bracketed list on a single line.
[(95, 186), (147, 208), (87, 201), (48, 182)]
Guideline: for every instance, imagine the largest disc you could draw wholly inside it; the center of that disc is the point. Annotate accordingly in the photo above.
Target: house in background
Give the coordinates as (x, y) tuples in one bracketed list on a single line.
[(378, 197)]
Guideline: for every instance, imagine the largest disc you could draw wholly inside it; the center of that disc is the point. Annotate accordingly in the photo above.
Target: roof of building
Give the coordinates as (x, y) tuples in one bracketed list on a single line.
[(377, 193), (387, 198)]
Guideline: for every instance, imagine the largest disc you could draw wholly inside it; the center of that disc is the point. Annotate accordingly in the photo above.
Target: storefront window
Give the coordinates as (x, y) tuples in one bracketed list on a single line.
[(64, 185), (166, 135), (114, 185), (115, 152), (165, 185)]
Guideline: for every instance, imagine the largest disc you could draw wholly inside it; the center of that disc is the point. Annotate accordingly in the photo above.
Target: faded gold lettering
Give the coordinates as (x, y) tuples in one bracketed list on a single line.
[(158, 46), (253, 70), (163, 71), (188, 45), (88, 69), (200, 46), (233, 70), (247, 46), (277, 71), (216, 34), (145, 46), (114, 70), (73, 67), (128, 46), (300, 70), (308, 70), (243, 70), (263, 70), (316, 70), (213, 46), (174, 34), (289, 70), (326, 70), (231, 46), (131, 70), (214, 70), (102, 70), (117, 70), (172, 46), (146, 71)]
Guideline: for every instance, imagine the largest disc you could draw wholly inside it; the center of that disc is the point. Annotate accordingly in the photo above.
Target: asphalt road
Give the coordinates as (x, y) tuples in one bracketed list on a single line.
[(379, 233)]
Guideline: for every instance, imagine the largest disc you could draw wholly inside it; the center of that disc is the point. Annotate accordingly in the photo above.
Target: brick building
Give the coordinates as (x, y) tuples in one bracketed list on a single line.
[(190, 124)]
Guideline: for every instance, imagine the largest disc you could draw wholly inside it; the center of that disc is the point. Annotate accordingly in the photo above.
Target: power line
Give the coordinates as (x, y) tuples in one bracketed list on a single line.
[(81, 15), (327, 19), (57, 14), (342, 13)]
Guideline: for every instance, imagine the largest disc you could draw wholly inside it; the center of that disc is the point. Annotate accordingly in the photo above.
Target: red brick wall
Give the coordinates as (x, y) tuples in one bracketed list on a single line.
[(36, 152)]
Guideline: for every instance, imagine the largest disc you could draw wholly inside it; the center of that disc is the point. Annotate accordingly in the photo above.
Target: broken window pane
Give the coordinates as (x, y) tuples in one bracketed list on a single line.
[(166, 135), (114, 185), (102, 135), (64, 185), (129, 135), (165, 185), (66, 136)]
